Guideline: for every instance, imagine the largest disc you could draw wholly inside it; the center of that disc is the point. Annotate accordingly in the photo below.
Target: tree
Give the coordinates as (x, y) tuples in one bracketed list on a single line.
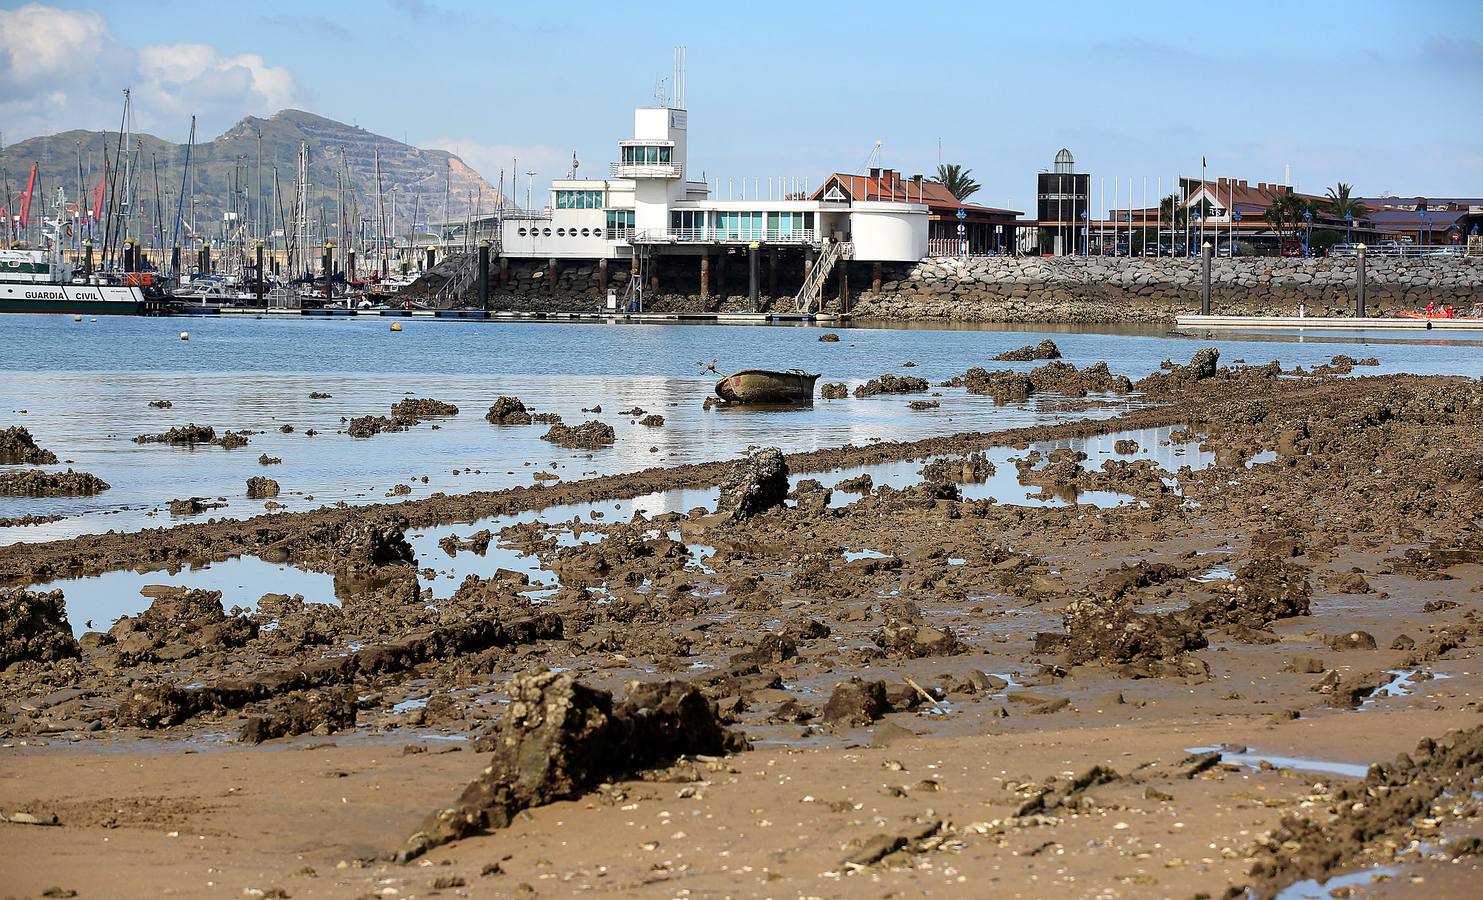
[(1340, 202), (1285, 215), (1172, 211), (955, 178)]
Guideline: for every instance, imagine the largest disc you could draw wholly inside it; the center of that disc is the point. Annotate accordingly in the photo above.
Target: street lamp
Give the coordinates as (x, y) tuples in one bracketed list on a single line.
[(1348, 227), (1307, 231), (1236, 217), (1426, 220), (1085, 234), (1194, 218)]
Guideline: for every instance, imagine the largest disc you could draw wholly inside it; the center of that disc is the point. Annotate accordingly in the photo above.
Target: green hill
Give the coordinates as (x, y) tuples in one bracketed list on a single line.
[(226, 173)]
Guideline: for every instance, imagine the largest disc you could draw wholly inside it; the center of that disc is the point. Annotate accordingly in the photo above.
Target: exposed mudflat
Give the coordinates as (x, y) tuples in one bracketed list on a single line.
[(1153, 655)]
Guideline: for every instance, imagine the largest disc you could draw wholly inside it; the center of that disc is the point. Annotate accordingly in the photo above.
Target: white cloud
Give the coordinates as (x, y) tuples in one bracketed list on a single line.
[(182, 79), (62, 69)]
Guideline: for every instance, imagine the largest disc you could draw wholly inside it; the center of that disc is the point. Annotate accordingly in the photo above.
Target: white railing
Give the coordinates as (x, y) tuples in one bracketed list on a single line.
[(725, 236), (1400, 248), (958, 247)]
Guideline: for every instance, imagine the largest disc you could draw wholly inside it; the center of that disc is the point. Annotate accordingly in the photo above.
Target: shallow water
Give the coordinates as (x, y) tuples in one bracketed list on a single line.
[(1313, 889), (1300, 763), (82, 389), (242, 580)]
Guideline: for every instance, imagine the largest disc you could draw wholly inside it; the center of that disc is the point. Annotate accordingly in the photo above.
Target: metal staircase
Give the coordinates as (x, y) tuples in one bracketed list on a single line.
[(807, 301), (464, 273), (633, 296)]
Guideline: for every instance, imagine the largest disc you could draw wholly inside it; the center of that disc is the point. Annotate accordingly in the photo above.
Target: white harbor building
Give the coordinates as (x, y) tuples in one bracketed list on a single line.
[(650, 208)]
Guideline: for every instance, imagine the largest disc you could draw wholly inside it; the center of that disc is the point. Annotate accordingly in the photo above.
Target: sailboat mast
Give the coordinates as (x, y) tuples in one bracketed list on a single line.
[(380, 212), (108, 227), (158, 236), (447, 178), (185, 178)]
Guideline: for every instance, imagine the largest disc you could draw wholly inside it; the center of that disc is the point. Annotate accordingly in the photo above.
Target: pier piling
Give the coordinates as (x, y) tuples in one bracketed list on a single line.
[(772, 272), (174, 261), (753, 277), (483, 274), (842, 268), (705, 277), (602, 276), (87, 259), (551, 274), (350, 265), (429, 259), (1359, 282), (327, 263), (1205, 279), (258, 274)]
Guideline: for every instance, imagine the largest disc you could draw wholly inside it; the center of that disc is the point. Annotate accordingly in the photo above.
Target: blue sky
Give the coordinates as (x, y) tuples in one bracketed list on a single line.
[(1384, 95)]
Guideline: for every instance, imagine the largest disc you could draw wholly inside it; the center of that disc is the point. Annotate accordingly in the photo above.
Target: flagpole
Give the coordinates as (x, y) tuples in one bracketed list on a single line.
[(1203, 167)]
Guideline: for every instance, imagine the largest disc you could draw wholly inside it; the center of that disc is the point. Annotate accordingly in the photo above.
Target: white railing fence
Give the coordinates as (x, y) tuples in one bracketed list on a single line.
[(724, 235)]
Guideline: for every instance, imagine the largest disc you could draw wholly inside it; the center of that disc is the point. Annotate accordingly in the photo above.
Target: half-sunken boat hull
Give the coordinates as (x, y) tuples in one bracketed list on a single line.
[(761, 386)]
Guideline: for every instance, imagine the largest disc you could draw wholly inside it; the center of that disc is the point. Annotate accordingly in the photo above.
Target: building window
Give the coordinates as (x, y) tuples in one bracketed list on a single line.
[(579, 199), (619, 221), (647, 156)]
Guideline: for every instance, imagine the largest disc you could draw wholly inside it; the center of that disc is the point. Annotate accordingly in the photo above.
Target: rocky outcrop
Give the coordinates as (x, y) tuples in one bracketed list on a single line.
[(18, 447), (38, 483), (592, 435), (560, 738), (756, 485), (508, 411), (260, 488), (34, 627)]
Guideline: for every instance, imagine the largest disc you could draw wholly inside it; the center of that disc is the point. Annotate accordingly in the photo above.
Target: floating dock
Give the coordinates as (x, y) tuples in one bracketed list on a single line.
[(1321, 323), (688, 318)]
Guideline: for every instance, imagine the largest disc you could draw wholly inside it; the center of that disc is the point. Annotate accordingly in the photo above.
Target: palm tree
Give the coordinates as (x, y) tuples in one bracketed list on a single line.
[(1340, 202), (1285, 215), (955, 178), (1173, 211)]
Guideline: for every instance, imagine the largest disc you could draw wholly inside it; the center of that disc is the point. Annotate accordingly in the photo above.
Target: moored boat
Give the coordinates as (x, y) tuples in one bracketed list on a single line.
[(763, 386), (37, 281), (1437, 315)]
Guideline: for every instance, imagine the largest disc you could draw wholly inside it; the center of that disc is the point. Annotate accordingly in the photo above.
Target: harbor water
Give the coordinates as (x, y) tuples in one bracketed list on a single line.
[(83, 388)]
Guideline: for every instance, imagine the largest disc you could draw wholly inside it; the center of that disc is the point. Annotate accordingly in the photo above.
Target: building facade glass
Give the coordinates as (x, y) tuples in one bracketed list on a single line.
[(647, 156), (579, 200)]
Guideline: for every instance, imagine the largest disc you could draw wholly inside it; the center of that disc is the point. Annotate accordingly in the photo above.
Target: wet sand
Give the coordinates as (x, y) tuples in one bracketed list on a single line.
[(1286, 569)]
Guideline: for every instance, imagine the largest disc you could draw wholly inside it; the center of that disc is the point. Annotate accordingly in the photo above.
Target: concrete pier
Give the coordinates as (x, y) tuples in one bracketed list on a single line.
[(1327, 323)]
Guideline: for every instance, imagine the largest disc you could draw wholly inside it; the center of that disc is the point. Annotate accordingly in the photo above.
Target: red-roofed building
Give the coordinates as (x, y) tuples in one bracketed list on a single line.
[(985, 229), (1218, 211)]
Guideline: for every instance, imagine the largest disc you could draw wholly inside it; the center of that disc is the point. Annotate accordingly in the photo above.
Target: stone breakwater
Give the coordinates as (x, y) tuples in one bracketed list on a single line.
[(1099, 289), (1010, 289)]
